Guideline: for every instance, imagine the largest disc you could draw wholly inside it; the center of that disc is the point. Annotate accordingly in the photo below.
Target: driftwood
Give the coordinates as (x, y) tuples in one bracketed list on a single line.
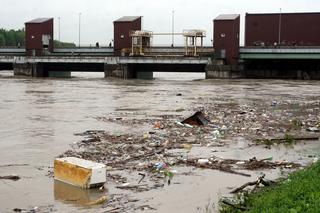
[(234, 206), (142, 177), (294, 137), (140, 188), (10, 177), (224, 167), (145, 207), (253, 183), (12, 165)]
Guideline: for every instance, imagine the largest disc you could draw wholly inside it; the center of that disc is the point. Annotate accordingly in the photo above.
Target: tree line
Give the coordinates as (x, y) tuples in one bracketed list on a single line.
[(12, 37), (16, 38)]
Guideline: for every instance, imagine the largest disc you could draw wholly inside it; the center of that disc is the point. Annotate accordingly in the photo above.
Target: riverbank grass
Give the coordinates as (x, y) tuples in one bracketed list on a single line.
[(300, 192)]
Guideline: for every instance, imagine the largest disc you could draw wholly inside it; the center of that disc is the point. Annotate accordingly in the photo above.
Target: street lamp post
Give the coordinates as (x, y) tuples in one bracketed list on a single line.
[(172, 28), (279, 36), (59, 28), (79, 29)]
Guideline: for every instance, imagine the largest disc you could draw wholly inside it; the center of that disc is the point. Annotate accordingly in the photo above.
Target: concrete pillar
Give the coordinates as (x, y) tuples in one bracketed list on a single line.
[(218, 72), (29, 69), (22, 69), (123, 71)]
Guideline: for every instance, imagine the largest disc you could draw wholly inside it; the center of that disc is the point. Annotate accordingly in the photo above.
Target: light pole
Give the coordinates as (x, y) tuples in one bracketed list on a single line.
[(279, 36), (59, 28), (172, 28), (79, 28)]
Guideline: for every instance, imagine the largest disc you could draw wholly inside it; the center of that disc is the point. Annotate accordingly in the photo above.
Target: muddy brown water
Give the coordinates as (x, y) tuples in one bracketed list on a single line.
[(40, 116)]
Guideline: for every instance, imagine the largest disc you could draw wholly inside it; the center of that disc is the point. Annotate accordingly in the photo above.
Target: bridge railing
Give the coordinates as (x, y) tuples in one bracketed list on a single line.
[(279, 47), (282, 49)]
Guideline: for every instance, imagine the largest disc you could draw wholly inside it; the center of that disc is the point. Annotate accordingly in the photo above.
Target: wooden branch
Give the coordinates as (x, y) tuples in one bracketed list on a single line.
[(10, 177), (253, 183)]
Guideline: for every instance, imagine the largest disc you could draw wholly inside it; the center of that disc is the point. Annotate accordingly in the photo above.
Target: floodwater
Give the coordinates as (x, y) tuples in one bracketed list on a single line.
[(40, 116)]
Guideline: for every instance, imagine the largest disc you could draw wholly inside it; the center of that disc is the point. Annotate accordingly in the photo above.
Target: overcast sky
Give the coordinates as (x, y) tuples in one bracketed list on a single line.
[(97, 16)]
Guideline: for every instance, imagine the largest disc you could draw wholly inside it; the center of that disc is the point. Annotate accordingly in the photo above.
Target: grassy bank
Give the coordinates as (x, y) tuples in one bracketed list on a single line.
[(300, 192)]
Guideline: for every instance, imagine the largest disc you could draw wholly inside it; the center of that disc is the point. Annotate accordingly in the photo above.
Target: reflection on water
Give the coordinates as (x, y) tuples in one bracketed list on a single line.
[(69, 194)]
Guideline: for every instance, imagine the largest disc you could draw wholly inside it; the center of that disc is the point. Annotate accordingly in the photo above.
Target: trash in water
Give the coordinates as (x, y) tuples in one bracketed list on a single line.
[(79, 172), (179, 123), (188, 126), (274, 103), (90, 132), (160, 165), (100, 201), (216, 134), (313, 129), (198, 119), (203, 161), (180, 110)]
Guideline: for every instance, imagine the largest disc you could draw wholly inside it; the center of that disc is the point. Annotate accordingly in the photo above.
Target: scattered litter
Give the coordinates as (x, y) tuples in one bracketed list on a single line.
[(152, 157)]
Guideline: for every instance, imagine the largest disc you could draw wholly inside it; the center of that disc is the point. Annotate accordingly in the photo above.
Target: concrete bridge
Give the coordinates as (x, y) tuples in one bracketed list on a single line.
[(122, 67), (261, 62), (85, 59)]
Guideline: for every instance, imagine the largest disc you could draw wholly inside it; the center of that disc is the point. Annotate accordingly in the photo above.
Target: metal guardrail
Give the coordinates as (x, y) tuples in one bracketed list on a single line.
[(107, 50), (12, 50), (106, 60), (83, 50), (281, 49), (163, 60)]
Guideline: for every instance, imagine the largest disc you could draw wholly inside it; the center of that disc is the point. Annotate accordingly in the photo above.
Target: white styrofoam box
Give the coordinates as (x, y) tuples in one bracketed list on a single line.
[(79, 172)]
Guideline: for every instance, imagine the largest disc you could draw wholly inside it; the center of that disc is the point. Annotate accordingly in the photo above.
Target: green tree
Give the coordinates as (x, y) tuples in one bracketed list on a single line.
[(20, 37), (2, 40), (11, 38)]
